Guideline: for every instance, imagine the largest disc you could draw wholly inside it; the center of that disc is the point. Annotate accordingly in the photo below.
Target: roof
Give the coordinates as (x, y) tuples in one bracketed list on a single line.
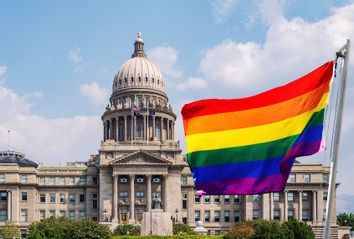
[(17, 158)]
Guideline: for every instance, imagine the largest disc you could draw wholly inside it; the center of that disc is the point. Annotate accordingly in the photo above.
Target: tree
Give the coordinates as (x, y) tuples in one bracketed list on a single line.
[(182, 229), (240, 231), (346, 219), (300, 229), (10, 231), (271, 230), (127, 230)]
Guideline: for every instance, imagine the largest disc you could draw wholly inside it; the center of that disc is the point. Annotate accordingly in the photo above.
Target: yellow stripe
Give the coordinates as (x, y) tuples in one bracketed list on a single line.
[(252, 135)]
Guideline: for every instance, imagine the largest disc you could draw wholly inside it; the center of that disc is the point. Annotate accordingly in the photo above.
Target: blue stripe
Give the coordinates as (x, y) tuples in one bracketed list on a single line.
[(310, 134)]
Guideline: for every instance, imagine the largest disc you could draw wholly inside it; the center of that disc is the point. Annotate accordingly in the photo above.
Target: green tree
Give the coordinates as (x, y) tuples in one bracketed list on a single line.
[(346, 219), (127, 230), (9, 231), (240, 231), (300, 229), (271, 230), (182, 229)]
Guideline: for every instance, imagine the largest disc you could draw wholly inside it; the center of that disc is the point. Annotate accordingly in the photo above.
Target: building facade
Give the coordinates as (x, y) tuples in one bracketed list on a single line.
[(139, 159)]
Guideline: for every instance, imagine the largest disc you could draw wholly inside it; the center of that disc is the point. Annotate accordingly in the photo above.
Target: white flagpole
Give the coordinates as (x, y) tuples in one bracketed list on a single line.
[(147, 122), (343, 52), (132, 122)]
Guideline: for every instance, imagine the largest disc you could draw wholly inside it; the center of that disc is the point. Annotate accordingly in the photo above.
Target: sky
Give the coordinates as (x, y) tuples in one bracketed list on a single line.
[(58, 60)]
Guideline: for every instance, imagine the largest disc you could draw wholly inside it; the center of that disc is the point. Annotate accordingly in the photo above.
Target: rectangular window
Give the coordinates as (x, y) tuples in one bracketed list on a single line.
[(3, 215), (72, 198), (237, 199), (325, 178), (123, 180), (226, 216), (207, 216), (61, 213), (290, 197), (94, 180), (62, 198), (41, 215), (216, 216), (256, 198), (62, 181), (197, 199), (82, 198), (2, 177), (325, 195), (184, 201), (237, 216), (276, 197), (3, 196), (305, 196), (206, 199), (82, 214), (82, 181), (24, 178), (139, 194), (139, 179), (24, 215), (292, 178), (291, 214), (72, 181), (226, 198), (94, 201), (42, 180), (52, 213), (156, 180), (23, 196), (123, 194), (307, 178), (71, 214), (184, 180), (276, 214), (197, 215), (42, 198), (52, 198), (305, 215), (51, 180), (216, 199), (255, 214)]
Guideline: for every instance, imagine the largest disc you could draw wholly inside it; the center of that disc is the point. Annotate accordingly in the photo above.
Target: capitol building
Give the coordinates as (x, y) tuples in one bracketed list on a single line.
[(139, 159)]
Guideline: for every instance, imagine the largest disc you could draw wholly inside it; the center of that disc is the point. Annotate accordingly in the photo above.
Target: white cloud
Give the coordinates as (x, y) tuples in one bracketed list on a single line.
[(192, 83), (166, 58), (272, 11), (43, 139), (3, 70), (75, 55), (222, 9), (96, 94)]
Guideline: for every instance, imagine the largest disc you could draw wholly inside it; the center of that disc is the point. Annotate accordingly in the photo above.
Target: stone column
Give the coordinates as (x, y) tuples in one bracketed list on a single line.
[(135, 128), (173, 130), (145, 128), (125, 128), (104, 131), (115, 199), (153, 128), (148, 196), (9, 209), (164, 186), (300, 206), (314, 206), (117, 129), (271, 202), (112, 130), (285, 205), (168, 129), (161, 129), (132, 199), (320, 205)]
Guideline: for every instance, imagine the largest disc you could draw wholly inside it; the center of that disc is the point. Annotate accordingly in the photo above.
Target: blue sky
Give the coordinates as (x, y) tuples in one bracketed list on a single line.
[(58, 60)]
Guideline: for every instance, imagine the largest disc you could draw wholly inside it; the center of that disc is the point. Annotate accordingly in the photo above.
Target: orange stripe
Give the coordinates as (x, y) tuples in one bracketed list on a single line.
[(257, 116)]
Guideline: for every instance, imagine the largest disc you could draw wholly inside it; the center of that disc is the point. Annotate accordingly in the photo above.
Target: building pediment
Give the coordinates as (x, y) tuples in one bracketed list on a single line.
[(140, 158)]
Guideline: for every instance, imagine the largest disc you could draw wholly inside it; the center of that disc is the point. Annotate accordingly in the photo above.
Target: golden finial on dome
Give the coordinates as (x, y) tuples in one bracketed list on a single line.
[(139, 34)]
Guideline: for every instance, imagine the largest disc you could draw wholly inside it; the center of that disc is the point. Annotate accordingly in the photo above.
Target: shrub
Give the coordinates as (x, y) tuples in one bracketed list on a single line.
[(9, 231), (300, 229), (271, 230), (127, 230), (240, 231), (182, 229)]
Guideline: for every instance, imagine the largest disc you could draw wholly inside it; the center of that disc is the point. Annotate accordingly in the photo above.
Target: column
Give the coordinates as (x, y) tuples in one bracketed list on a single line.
[(135, 128), (111, 129), (164, 186), (117, 129), (153, 128), (104, 131), (285, 205), (148, 196), (314, 206), (161, 127), (173, 130), (320, 205), (108, 129), (168, 130), (9, 209), (115, 199), (145, 128), (132, 199), (300, 206), (125, 128), (271, 206)]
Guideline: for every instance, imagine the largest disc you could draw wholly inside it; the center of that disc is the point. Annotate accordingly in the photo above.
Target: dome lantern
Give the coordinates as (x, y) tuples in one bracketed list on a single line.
[(139, 47)]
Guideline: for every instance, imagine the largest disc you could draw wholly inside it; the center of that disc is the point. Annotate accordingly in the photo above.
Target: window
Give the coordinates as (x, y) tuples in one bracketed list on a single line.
[(290, 197), (62, 198), (72, 214), (325, 195), (325, 178), (23, 196), (94, 180), (255, 197), (226, 216), (24, 215), (82, 198), (184, 180), (217, 216), (61, 213), (123, 180), (184, 201), (52, 198), (156, 194), (139, 179), (207, 216), (72, 181), (216, 199), (3, 196), (305, 215), (291, 214), (237, 199), (42, 198), (62, 181), (206, 199), (307, 178), (184, 220), (276, 197), (255, 214), (197, 199), (139, 194), (197, 215), (72, 198), (2, 177), (94, 201), (305, 196), (82, 214), (24, 178), (156, 180), (292, 177), (51, 180), (276, 214), (82, 181), (42, 180), (41, 215), (3, 215), (52, 213), (237, 216), (226, 198), (123, 194)]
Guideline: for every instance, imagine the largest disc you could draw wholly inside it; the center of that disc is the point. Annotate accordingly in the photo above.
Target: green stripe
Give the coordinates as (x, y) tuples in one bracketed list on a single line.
[(249, 153)]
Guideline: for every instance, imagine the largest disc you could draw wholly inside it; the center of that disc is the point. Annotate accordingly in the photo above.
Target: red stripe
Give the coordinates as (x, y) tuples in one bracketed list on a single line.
[(293, 89)]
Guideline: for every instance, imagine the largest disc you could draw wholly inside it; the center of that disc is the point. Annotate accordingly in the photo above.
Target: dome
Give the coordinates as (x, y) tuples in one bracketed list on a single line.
[(16, 157), (139, 71)]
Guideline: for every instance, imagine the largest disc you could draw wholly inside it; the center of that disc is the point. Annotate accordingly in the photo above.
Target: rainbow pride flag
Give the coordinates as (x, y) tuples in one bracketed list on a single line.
[(248, 145)]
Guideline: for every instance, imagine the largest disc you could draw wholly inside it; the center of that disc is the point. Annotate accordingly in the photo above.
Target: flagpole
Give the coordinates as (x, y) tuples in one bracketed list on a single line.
[(343, 52), (147, 122), (131, 122)]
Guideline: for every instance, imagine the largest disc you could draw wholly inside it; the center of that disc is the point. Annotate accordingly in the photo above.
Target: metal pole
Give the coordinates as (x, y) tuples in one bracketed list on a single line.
[(335, 147), (147, 122)]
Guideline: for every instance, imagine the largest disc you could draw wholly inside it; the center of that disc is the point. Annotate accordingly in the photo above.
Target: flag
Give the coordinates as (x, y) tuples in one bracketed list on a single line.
[(248, 145), (136, 110)]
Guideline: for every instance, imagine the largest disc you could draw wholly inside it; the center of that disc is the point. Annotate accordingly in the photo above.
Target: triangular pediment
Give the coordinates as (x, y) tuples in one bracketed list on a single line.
[(140, 158)]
